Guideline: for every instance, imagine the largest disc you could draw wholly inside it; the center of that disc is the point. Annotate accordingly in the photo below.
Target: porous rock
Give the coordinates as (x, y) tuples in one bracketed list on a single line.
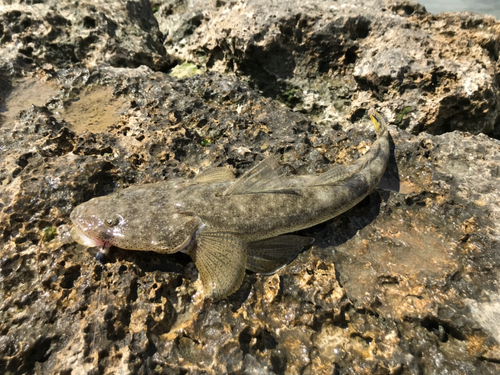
[(83, 33), (406, 282), (322, 57)]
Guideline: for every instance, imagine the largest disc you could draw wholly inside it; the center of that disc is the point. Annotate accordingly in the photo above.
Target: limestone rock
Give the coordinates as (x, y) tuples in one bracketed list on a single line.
[(406, 282), (84, 33), (436, 73)]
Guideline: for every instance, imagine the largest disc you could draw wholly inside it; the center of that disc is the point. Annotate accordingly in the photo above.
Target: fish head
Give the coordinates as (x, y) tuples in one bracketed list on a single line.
[(137, 218)]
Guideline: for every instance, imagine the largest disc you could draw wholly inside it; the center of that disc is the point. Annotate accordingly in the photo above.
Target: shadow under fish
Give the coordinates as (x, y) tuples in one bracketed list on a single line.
[(5, 91)]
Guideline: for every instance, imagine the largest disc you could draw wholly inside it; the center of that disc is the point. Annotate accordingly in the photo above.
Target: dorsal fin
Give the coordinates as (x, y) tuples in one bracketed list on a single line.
[(336, 174), (260, 179), (212, 175)]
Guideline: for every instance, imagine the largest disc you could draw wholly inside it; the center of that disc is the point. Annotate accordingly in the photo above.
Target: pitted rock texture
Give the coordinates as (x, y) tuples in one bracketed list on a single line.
[(406, 282), (436, 73), (83, 33)]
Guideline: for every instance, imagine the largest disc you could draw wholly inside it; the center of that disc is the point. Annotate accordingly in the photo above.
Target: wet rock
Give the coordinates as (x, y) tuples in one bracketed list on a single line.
[(406, 282)]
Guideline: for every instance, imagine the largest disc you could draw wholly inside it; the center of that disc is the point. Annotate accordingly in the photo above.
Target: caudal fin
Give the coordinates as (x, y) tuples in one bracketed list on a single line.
[(378, 122)]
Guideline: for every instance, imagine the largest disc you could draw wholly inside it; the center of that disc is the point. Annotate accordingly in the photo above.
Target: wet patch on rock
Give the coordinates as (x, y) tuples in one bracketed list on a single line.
[(93, 110), (23, 93)]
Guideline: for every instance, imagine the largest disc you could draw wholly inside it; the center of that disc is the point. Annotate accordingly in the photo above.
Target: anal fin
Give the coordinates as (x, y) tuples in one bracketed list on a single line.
[(220, 259), (270, 255)]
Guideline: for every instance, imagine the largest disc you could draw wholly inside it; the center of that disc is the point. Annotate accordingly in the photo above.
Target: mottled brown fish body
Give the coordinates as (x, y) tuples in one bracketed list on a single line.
[(263, 215), (227, 224)]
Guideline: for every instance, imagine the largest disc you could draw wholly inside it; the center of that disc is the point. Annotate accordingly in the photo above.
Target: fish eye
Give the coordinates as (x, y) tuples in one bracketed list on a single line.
[(111, 221)]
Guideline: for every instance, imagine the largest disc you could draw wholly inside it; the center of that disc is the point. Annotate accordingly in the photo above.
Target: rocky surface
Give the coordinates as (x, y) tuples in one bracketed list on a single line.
[(404, 283), (83, 33), (321, 57)]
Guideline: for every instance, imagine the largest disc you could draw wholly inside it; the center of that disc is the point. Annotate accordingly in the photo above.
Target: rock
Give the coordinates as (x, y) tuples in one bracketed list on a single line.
[(86, 33), (436, 73), (406, 282)]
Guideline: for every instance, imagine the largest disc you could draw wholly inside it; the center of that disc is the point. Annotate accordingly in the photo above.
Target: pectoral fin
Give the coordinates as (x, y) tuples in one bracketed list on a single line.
[(270, 255), (212, 175), (220, 259)]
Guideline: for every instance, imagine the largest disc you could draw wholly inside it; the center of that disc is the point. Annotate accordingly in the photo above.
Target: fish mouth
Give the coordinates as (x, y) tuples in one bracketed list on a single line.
[(80, 237)]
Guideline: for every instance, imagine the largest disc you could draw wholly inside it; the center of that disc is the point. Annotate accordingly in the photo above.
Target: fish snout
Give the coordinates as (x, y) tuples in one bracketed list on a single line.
[(82, 228)]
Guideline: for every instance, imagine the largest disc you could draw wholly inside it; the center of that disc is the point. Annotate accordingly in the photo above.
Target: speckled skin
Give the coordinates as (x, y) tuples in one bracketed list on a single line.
[(167, 216)]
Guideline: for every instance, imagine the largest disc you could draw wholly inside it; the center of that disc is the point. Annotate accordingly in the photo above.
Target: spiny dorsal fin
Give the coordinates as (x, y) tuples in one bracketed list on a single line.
[(213, 175), (258, 179), (220, 259), (270, 255)]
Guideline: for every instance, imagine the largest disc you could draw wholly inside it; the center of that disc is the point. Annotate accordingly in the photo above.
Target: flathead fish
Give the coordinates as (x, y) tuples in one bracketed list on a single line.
[(227, 224)]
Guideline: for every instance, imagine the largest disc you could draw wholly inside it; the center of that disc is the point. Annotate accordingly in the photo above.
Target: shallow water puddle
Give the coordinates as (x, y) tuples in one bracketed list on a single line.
[(24, 93), (94, 110)]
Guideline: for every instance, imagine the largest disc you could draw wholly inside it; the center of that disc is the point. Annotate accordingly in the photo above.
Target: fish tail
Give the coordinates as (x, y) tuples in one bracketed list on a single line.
[(378, 122)]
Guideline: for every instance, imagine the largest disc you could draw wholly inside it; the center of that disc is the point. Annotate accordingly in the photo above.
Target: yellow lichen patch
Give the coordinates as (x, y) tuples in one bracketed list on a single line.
[(362, 148), (185, 70), (408, 187), (476, 344), (469, 226), (272, 287)]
